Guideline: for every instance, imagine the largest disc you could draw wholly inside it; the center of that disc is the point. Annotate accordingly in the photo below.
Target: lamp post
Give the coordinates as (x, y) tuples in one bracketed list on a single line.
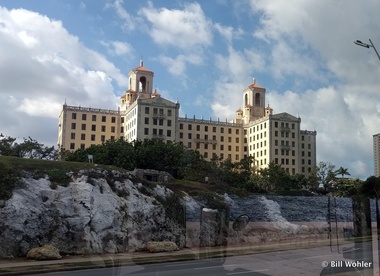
[(365, 45)]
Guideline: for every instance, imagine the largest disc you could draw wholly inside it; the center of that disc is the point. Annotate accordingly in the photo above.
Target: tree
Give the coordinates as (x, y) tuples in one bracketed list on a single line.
[(6, 145), (326, 175), (342, 171), (275, 178), (29, 148)]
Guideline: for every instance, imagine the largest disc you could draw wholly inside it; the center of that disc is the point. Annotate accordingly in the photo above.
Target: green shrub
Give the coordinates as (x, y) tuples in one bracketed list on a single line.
[(9, 179), (59, 177)]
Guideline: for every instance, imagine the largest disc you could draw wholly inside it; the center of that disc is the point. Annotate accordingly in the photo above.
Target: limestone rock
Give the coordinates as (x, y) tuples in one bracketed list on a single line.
[(97, 212), (46, 252), (163, 246)]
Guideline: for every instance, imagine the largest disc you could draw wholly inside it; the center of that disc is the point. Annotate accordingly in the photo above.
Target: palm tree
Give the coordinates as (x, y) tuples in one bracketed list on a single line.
[(342, 171)]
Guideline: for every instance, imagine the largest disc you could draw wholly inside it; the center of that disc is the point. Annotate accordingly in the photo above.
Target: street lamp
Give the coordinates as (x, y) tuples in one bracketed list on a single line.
[(365, 45)]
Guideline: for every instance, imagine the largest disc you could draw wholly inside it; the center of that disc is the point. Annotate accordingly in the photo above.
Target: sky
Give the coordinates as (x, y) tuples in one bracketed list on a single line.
[(203, 54)]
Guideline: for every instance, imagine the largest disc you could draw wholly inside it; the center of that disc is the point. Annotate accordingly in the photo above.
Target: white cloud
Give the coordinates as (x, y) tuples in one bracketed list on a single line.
[(118, 48), (183, 29), (45, 65), (236, 71), (228, 32), (177, 66), (129, 22)]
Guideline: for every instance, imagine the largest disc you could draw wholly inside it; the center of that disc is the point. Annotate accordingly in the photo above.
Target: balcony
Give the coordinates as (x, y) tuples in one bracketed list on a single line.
[(159, 115), (205, 141), (284, 129), (285, 146), (158, 136)]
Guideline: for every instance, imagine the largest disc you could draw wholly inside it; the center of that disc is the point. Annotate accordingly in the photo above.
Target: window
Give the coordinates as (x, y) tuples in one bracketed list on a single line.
[(181, 135), (237, 131), (221, 138), (189, 126), (82, 146), (83, 126), (229, 131), (72, 146), (189, 144), (73, 116), (229, 139), (237, 139), (169, 112), (103, 128), (197, 145), (206, 146), (72, 135), (206, 128), (221, 147), (92, 137), (113, 119), (198, 127), (146, 110), (155, 121), (103, 138), (146, 120), (84, 117), (213, 129), (93, 118), (122, 120), (222, 130), (275, 124), (229, 148), (73, 125), (169, 123), (93, 127), (83, 136), (112, 129), (161, 122), (189, 135), (169, 133), (180, 126), (146, 131), (104, 119)]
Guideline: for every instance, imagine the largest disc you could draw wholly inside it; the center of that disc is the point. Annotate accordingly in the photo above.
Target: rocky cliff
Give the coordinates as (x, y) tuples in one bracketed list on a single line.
[(96, 212)]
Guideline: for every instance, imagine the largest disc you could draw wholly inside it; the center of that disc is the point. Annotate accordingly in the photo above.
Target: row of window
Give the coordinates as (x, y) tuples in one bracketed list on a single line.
[(159, 122), (93, 117), (158, 132), (214, 155), (206, 137), (257, 128), (93, 127), (93, 138), (206, 128), (158, 111)]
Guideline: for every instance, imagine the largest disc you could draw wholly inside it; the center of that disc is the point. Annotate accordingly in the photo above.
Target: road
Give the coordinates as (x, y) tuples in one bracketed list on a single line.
[(291, 262)]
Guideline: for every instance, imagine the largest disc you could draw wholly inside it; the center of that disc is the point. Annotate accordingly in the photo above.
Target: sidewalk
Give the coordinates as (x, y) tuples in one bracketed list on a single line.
[(24, 266)]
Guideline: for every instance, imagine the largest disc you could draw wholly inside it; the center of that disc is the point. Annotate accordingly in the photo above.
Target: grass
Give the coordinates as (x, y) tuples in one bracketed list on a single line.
[(12, 168)]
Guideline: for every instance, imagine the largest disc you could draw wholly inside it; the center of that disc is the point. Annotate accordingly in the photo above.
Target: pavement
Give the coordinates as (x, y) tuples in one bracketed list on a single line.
[(24, 266)]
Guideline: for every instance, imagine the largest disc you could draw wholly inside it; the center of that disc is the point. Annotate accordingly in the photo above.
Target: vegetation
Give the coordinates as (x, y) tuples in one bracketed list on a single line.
[(193, 173)]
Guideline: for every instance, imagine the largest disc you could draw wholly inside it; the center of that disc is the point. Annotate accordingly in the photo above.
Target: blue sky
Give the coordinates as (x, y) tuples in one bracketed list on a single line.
[(203, 54)]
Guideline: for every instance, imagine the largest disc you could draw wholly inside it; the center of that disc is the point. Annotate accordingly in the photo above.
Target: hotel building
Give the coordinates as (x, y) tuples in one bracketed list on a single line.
[(144, 114)]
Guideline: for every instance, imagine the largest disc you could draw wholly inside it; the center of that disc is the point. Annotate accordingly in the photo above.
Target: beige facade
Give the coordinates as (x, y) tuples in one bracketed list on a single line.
[(81, 127), (144, 114), (376, 154)]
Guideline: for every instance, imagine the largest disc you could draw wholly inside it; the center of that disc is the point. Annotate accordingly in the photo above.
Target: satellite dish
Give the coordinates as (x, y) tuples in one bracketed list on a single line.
[(240, 222)]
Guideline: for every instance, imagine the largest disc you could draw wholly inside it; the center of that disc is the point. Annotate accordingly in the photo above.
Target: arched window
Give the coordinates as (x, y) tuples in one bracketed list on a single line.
[(143, 83), (245, 99), (257, 99)]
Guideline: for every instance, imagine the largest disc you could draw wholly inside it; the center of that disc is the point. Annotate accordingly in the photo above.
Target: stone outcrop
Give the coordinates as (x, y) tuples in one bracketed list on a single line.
[(164, 246), (97, 212), (46, 252)]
